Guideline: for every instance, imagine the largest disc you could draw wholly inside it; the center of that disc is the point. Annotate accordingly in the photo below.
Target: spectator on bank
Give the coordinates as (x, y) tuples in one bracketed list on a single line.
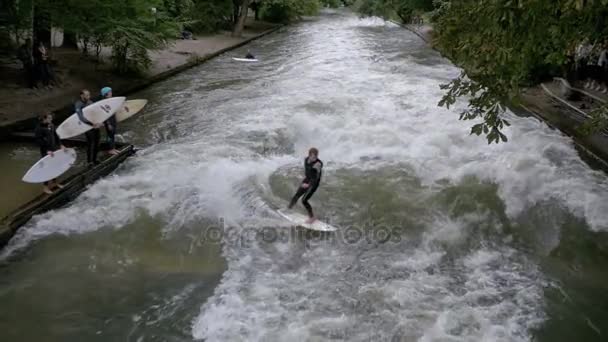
[(186, 35), (581, 60), (41, 58), (602, 69), (24, 54)]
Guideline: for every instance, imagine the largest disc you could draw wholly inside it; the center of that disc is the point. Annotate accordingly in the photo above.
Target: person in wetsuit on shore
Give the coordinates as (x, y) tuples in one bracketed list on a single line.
[(92, 135), (49, 142), (313, 169), (110, 124)]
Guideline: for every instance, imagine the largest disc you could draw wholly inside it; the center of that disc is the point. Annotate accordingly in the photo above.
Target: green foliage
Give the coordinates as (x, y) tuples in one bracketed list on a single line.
[(505, 45), (392, 9), (130, 27), (288, 10), (18, 17), (331, 3), (211, 15)]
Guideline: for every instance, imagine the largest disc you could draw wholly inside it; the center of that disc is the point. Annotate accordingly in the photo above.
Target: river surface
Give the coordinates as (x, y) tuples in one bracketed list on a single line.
[(442, 237)]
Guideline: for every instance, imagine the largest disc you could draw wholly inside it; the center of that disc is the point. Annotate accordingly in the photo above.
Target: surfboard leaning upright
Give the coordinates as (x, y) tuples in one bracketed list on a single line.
[(97, 112)]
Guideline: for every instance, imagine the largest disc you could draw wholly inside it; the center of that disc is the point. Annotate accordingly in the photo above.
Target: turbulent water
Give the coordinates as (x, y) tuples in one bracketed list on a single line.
[(442, 237)]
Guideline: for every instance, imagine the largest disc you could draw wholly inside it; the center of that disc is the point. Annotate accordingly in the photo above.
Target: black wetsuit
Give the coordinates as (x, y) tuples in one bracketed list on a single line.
[(47, 139), (92, 135), (249, 56), (313, 179), (110, 125)]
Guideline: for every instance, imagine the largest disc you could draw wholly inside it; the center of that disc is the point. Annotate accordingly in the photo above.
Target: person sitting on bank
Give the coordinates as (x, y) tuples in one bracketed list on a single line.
[(249, 55), (49, 142), (92, 135), (110, 123)]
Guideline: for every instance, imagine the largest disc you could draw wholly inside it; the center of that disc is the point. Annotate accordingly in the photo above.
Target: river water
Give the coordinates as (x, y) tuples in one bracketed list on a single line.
[(442, 237)]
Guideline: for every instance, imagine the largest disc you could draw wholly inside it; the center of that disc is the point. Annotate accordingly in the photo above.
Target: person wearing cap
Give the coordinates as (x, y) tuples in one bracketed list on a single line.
[(92, 135), (110, 124)]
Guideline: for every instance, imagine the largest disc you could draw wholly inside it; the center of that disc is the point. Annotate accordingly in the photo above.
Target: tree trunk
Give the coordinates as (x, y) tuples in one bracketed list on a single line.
[(240, 25), (70, 40), (236, 6)]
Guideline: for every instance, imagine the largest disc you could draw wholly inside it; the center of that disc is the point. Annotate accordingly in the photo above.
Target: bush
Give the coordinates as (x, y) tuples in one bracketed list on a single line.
[(211, 15), (280, 11)]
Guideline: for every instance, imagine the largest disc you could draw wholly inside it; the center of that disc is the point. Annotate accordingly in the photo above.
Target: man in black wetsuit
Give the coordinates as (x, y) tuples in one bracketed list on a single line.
[(313, 168), (249, 55), (92, 135), (110, 124)]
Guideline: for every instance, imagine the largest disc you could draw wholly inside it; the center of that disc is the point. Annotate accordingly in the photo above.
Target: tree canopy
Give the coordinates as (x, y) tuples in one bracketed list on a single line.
[(132, 27), (504, 45)]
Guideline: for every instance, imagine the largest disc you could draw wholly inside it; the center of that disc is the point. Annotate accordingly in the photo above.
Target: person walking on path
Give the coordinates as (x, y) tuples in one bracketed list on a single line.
[(42, 62), (49, 142)]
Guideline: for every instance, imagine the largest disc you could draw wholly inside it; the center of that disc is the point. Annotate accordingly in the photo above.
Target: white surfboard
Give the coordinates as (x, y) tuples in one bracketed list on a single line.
[(130, 108), (300, 221), (244, 59), (97, 112), (49, 167)]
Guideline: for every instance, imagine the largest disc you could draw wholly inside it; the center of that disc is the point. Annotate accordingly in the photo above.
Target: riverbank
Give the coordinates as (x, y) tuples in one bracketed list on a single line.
[(19, 105)]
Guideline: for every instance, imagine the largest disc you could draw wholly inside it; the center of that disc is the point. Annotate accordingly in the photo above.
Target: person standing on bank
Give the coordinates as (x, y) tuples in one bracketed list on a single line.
[(91, 135), (110, 124), (313, 169), (49, 142), (24, 54), (41, 57)]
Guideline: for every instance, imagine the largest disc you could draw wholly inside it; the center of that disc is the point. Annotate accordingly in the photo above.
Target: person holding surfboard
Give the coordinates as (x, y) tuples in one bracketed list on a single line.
[(49, 142), (313, 168), (110, 124), (91, 135)]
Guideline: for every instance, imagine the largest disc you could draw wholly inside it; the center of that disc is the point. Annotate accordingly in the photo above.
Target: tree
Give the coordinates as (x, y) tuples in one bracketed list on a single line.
[(288, 10), (240, 25), (504, 45), (19, 17), (130, 27)]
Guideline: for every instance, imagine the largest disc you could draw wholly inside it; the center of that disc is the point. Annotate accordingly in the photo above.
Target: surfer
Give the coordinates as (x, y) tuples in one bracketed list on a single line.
[(249, 55), (91, 135), (49, 142), (110, 124), (313, 168)]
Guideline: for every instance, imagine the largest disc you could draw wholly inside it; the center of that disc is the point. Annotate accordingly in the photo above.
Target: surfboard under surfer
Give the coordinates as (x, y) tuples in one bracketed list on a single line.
[(313, 169)]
